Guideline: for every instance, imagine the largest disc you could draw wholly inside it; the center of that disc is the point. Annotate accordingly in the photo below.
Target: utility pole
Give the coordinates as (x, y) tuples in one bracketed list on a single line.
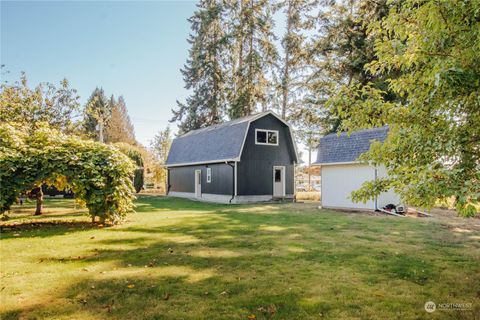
[(100, 131), (309, 160)]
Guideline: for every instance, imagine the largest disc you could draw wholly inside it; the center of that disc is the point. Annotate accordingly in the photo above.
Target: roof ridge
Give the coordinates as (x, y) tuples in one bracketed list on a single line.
[(346, 148), (223, 124), (344, 133)]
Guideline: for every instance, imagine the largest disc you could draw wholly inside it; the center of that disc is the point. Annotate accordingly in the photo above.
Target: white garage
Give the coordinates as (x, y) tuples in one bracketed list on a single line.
[(342, 173)]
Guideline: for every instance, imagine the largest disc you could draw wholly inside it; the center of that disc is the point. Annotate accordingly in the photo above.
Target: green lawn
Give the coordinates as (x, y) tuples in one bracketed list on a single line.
[(178, 259)]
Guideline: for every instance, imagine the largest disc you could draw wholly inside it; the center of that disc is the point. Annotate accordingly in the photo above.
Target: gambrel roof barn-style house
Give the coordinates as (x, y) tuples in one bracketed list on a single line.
[(342, 173), (248, 159)]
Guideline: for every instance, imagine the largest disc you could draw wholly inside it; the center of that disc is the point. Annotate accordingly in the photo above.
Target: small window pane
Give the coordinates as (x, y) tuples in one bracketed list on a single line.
[(272, 137), (209, 175), (278, 175), (261, 137)]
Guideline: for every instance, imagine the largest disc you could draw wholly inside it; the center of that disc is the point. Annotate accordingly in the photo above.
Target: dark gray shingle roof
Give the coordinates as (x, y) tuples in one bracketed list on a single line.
[(335, 148), (218, 142)]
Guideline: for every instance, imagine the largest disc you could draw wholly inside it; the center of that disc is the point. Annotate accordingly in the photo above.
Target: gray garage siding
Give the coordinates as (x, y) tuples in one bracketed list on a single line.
[(255, 170), (182, 179)]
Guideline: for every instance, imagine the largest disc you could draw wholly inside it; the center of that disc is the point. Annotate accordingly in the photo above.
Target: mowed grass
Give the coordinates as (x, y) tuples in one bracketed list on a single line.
[(179, 259)]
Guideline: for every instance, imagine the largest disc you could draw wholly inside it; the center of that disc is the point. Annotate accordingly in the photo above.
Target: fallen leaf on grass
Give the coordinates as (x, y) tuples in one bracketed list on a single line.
[(166, 296), (130, 286), (252, 316), (151, 264), (109, 306), (272, 309)]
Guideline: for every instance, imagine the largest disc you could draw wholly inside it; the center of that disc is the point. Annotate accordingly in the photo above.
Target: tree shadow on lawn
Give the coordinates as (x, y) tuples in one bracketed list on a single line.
[(45, 229), (233, 262), (231, 265)]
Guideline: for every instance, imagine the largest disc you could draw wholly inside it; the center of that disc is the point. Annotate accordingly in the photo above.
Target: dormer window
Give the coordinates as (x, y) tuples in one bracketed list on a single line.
[(266, 137)]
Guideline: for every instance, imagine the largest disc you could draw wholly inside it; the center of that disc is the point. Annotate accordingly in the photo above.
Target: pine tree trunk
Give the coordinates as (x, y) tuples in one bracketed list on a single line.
[(286, 75), (239, 71), (39, 197), (249, 106)]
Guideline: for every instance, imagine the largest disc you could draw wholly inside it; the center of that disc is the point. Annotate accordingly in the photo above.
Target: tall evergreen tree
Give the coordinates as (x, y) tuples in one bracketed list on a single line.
[(97, 113), (253, 55), (203, 72), (293, 63), (339, 52), (119, 127)]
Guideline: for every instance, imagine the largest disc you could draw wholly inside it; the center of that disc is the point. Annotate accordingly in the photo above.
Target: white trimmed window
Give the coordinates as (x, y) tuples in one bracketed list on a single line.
[(266, 137), (209, 175)]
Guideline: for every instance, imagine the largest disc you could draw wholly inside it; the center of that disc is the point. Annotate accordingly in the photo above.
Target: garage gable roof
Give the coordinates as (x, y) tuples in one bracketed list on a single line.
[(216, 143), (344, 148)]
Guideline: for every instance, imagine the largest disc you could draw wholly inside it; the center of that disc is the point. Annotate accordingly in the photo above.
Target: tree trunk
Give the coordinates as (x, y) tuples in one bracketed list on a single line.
[(286, 71), (250, 102), (39, 195)]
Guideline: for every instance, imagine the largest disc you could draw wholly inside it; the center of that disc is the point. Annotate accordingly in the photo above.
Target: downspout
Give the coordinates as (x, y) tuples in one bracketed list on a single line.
[(376, 199), (294, 182), (168, 181), (233, 181)]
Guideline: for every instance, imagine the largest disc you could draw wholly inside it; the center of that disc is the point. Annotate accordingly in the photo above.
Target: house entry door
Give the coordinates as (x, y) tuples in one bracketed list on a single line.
[(278, 181), (198, 183)]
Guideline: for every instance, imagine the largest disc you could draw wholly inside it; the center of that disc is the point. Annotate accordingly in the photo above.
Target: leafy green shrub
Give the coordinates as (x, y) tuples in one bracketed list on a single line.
[(135, 154), (99, 175), (138, 180)]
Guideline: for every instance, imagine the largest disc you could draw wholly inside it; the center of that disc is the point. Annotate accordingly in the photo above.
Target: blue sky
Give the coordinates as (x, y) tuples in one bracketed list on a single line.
[(129, 48), (134, 49)]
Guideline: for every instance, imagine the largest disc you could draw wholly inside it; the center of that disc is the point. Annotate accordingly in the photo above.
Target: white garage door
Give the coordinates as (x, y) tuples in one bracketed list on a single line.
[(338, 181)]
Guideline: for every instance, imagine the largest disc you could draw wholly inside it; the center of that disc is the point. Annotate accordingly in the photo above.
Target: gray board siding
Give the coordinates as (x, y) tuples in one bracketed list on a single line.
[(255, 169), (182, 179)]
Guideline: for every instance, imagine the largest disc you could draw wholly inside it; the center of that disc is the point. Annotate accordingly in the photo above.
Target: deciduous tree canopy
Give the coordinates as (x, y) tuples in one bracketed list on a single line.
[(433, 148), (99, 175)]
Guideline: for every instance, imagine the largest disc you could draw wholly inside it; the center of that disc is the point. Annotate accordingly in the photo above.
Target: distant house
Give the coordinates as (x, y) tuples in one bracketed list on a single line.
[(342, 173), (248, 159)]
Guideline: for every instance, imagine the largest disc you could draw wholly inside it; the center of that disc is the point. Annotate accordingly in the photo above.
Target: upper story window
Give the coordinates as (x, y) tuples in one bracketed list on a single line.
[(267, 137)]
